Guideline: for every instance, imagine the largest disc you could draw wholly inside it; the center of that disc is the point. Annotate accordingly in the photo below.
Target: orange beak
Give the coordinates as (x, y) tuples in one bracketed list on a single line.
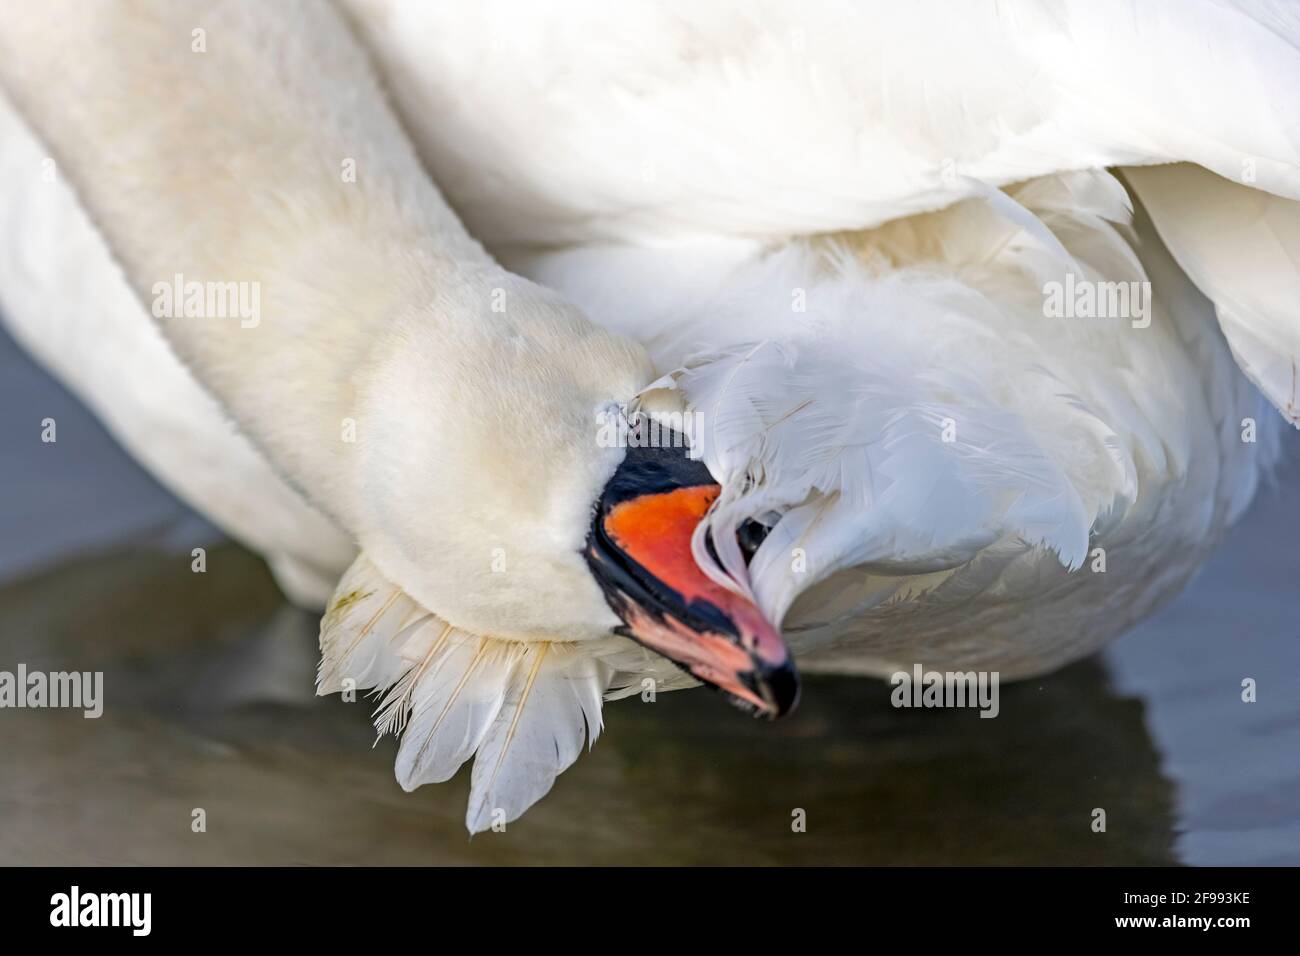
[(640, 552)]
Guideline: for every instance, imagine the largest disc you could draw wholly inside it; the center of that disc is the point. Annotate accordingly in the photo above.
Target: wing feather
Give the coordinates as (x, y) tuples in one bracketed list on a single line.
[(520, 710), (1241, 247)]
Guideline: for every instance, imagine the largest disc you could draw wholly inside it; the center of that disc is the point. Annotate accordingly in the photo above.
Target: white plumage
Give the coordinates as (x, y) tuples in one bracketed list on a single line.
[(1241, 247), (452, 696), (832, 226)]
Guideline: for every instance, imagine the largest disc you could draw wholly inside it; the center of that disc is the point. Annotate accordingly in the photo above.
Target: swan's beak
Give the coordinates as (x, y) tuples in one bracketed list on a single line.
[(640, 552)]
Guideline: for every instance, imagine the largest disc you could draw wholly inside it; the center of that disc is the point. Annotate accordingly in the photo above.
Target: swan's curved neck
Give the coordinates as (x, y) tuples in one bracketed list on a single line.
[(267, 208)]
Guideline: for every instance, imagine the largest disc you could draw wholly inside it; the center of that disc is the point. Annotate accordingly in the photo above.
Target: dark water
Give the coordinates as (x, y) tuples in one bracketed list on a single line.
[(208, 685)]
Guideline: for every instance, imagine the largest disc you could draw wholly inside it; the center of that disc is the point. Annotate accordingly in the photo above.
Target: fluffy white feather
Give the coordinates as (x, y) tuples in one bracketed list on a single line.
[(553, 702), (893, 443), (356, 633), (830, 365), (521, 711)]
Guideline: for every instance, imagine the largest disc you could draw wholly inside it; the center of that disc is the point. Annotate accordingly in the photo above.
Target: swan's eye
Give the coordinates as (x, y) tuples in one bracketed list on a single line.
[(750, 536)]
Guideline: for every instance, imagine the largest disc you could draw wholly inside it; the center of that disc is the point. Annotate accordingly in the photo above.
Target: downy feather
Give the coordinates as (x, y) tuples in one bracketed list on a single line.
[(888, 447), (520, 710)]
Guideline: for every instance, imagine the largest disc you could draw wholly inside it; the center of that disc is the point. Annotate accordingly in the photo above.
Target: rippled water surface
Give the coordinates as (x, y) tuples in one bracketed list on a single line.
[(208, 685)]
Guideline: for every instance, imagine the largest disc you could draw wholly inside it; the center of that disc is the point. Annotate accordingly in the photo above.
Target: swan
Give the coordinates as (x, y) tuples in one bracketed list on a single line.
[(754, 213)]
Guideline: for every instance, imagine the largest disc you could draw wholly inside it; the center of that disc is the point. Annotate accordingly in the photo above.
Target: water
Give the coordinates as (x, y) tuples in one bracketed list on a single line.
[(208, 685)]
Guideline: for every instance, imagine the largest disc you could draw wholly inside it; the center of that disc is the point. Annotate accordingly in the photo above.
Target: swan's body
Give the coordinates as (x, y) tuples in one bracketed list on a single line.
[(666, 170)]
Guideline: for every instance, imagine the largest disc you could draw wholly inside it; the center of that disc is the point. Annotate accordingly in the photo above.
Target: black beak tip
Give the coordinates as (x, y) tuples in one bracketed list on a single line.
[(777, 686), (782, 689)]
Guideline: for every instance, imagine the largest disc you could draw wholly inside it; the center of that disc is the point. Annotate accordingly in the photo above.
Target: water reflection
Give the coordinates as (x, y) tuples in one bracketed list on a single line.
[(208, 682)]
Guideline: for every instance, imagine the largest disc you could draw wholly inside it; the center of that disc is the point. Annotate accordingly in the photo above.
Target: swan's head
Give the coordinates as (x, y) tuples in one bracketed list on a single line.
[(494, 498), (640, 552)]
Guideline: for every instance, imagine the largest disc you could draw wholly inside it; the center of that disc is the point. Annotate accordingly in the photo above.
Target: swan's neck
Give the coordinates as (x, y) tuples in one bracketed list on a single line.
[(272, 214), (272, 223)]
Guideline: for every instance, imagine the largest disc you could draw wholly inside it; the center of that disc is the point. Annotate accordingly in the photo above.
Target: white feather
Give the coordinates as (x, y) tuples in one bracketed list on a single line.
[(520, 710), (453, 703), (358, 650), (859, 440), (1242, 248), (648, 121), (895, 445), (553, 703)]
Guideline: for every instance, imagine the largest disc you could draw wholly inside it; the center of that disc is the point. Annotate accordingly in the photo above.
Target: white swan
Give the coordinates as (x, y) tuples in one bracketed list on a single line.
[(940, 465)]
